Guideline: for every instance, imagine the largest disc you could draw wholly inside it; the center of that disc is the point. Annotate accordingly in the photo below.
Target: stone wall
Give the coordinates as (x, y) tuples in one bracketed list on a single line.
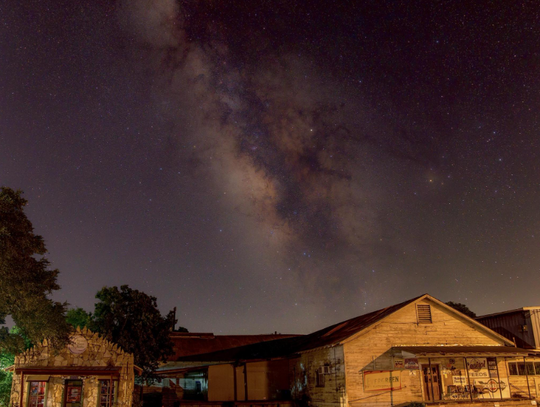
[(97, 352)]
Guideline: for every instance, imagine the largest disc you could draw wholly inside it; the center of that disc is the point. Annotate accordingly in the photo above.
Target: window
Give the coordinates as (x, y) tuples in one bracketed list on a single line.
[(320, 377), (424, 314), (36, 394), (321, 372), (107, 393), (73, 393), (524, 368)]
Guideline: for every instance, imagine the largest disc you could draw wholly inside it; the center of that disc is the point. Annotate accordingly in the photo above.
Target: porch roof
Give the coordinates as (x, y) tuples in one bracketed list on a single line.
[(437, 351), (70, 370)]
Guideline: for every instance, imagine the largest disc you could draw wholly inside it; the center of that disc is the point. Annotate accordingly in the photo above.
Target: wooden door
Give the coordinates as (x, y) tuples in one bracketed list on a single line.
[(432, 382)]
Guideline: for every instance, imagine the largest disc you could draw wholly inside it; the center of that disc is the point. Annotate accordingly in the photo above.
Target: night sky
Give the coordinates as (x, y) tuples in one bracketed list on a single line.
[(278, 165)]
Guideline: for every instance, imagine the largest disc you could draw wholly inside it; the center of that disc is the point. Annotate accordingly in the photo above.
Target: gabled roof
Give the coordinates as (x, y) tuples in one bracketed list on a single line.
[(326, 337), (329, 336)]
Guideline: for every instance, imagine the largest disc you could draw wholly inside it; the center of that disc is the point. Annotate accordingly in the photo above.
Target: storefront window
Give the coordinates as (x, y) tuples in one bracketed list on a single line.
[(107, 393), (524, 368), (36, 394), (73, 393)]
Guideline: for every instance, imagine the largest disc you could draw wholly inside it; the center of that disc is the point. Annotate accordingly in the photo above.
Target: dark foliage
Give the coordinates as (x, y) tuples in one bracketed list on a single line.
[(26, 280), (462, 308), (131, 319), (78, 317)]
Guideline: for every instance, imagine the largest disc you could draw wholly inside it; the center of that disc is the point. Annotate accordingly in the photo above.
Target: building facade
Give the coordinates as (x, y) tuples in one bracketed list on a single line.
[(89, 372), (418, 351)]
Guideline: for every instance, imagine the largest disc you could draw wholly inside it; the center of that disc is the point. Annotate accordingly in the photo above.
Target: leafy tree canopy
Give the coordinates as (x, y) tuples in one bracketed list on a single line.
[(7, 359), (26, 280), (131, 319), (78, 317), (462, 308)]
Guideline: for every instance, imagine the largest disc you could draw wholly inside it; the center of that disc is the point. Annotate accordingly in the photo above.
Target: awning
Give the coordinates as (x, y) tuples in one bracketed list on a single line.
[(464, 351), (70, 370)]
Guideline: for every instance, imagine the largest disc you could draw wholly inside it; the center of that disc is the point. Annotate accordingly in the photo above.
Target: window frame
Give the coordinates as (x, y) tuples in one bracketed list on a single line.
[(524, 368), (112, 397), (45, 391)]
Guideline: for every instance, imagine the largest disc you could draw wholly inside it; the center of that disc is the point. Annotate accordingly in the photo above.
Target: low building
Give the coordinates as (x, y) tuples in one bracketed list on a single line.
[(420, 350), (88, 372), (193, 385)]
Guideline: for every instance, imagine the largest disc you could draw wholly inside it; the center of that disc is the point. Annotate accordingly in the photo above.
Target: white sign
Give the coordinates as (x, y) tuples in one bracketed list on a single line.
[(459, 380), (78, 344)]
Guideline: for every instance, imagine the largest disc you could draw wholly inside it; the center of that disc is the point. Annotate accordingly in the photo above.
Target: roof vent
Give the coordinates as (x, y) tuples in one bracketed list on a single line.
[(424, 314)]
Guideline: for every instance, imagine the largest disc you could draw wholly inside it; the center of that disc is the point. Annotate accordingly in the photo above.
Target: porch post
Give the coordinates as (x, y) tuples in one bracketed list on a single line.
[(111, 392), (21, 394), (235, 382), (431, 380), (527, 376), (508, 375), (245, 382), (391, 390), (468, 378), (499, 377)]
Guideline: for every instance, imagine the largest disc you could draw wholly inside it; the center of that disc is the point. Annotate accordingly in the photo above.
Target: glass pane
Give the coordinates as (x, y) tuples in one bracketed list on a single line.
[(36, 394), (513, 369), (530, 368), (537, 365), (107, 393), (521, 369)]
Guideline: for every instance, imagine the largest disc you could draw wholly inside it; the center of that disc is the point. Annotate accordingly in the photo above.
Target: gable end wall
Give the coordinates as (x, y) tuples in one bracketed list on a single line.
[(371, 351)]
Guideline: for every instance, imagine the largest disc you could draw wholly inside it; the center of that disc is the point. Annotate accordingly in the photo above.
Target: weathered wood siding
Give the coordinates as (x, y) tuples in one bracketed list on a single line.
[(371, 351), (221, 383), (267, 380), (304, 388), (522, 386)]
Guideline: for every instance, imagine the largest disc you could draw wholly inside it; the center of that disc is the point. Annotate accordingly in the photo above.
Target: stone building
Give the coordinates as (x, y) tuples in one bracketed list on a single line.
[(88, 372)]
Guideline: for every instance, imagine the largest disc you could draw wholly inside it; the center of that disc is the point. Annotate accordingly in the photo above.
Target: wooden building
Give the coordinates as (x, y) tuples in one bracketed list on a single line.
[(89, 372), (418, 351)]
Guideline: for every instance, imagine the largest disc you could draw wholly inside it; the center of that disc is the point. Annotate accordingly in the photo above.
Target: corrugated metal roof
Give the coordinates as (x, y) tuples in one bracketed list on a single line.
[(189, 344), (507, 312)]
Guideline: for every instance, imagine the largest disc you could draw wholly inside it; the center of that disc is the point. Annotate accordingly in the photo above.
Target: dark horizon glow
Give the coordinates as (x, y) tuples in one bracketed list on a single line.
[(271, 166)]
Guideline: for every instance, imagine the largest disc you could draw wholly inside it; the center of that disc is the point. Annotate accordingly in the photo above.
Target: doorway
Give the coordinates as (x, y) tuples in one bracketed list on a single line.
[(432, 382)]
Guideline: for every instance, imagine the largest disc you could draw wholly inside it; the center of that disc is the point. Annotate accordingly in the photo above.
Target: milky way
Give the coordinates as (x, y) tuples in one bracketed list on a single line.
[(291, 149), (278, 165)]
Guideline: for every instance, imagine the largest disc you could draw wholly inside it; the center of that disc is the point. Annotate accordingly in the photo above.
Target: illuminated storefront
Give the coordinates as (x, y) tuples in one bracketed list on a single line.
[(472, 372), (89, 372)]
